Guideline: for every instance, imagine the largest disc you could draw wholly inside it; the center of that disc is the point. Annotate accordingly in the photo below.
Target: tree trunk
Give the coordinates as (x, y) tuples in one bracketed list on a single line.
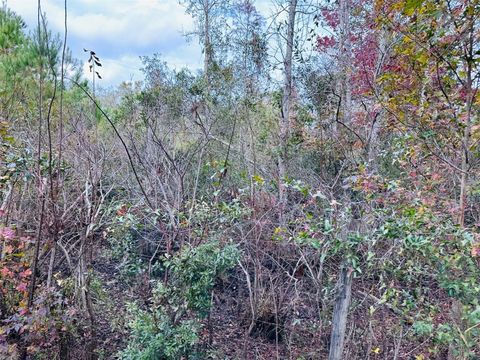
[(466, 150), (345, 61), (206, 42), (340, 313), (286, 107), (373, 140), (456, 307)]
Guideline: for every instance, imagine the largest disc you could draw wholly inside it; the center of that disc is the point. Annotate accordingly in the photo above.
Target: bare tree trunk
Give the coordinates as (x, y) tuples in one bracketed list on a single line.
[(345, 61), (456, 315), (51, 265), (456, 307), (286, 107), (466, 149), (207, 46), (340, 313), (382, 58), (467, 131), (344, 284), (41, 188)]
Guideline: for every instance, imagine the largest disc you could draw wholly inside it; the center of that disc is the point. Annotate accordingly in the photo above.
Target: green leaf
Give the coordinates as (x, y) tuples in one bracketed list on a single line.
[(411, 6)]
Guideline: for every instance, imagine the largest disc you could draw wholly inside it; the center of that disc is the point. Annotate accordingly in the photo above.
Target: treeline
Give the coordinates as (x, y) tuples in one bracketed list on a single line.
[(311, 193)]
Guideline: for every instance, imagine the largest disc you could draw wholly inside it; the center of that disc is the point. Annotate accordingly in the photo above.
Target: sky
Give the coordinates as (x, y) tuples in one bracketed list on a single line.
[(120, 31)]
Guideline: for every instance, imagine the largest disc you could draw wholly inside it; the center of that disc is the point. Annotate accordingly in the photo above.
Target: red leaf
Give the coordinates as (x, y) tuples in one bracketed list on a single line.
[(23, 310), (7, 233), (6, 272), (21, 287), (26, 273)]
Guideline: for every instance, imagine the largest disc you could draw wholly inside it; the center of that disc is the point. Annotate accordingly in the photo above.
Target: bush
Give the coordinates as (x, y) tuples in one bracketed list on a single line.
[(170, 328)]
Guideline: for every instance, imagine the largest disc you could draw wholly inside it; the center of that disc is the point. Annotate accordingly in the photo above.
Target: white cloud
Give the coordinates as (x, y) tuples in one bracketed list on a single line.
[(188, 55), (136, 22), (122, 30), (119, 31)]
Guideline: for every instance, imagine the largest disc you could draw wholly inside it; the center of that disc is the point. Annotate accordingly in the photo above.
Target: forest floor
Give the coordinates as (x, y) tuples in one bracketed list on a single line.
[(224, 335), (111, 331)]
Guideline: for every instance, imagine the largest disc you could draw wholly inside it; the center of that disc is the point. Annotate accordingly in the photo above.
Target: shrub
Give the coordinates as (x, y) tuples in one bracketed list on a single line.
[(170, 328)]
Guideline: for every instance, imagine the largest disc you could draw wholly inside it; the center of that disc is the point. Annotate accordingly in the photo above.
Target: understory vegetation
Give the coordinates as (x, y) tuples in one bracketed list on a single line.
[(312, 193)]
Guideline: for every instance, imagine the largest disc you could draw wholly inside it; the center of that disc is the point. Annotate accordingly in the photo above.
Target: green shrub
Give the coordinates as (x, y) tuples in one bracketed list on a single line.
[(170, 328)]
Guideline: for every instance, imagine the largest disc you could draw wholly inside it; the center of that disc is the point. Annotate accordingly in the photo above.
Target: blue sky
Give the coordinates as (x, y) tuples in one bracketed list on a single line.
[(120, 31)]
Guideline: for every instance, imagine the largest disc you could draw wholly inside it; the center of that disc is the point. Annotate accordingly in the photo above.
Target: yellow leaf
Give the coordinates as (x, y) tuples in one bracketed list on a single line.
[(422, 58), (376, 350), (258, 179)]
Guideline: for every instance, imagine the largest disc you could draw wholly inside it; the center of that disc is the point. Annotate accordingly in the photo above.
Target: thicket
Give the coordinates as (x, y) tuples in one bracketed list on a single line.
[(312, 192)]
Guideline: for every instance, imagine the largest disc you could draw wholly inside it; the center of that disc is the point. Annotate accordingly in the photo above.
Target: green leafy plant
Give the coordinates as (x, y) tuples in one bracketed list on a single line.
[(170, 328)]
